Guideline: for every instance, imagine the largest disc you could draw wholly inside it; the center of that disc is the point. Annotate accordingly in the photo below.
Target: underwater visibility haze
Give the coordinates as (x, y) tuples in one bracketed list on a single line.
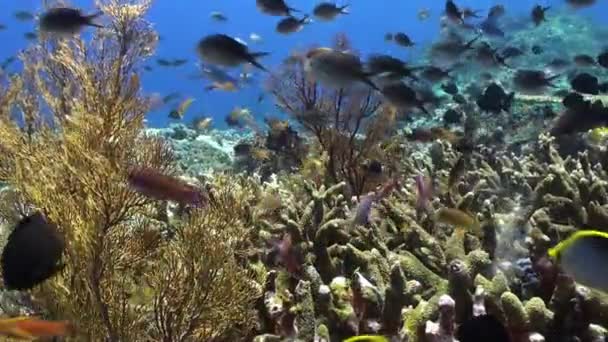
[(301, 170)]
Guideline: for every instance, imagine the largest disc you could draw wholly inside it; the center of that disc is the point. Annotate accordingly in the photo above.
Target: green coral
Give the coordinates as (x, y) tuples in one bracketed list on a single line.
[(514, 310), (539, 316)]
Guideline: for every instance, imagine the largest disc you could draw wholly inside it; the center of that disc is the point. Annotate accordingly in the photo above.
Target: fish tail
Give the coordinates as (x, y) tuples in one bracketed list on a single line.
[(89, 19), (421, 107), (365, 79), (291, 9), (369, 338), (344, 9)]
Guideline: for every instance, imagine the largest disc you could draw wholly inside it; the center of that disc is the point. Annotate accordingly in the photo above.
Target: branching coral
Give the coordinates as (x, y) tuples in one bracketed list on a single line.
[(72, 160), (198, 287), (348, 123)]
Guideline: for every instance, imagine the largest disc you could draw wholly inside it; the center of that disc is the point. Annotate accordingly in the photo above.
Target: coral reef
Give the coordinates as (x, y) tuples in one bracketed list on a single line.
[(281, 252), (391, 276)]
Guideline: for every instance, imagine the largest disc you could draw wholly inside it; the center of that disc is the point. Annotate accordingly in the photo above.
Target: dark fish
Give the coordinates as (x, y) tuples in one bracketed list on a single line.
[(179, 62), (2, 27), (559, 64), (389, 67), (327, 11), (24, 16), (602, 59), (580, 116), (537, 49), (402, 96), (403, 39), (274, 7), (30, 36), (459, 98), (242, 149), (336, 68), (585, 83), (291, 24), (495, 99), (450, 88), (468, 13), (163, 62), (584, 61), (574, 101), (533, 81), (452, 48), (490, 27), (7, 62), (65, 20), (452, 117), (482, 328), (218, 16), (496, 11), (453, 12), (32, 253), (220, 49), (489, 57), (538, 14), (435, 74), (156, 185), (511, 52), (170, 97), (457, 171), (374, 167), (580, 3)]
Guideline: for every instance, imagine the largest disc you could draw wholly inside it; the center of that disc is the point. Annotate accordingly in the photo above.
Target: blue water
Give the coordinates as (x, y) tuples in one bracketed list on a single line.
[(182, 23)]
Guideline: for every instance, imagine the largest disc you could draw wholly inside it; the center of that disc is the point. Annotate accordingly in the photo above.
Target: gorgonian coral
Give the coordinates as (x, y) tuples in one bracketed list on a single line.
[(347, 123), (69, 153)]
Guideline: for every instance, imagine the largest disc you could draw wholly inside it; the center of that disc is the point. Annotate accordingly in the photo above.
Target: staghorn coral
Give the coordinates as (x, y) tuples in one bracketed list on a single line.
[(409, 262), (71, 158)]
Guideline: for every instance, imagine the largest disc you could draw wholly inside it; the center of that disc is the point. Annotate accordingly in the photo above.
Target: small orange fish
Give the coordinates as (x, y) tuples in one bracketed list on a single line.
[(30, 328), (225, 86), (457, 217)]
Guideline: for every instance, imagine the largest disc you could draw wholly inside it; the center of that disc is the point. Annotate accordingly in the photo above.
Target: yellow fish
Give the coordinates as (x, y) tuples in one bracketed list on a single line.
[(181, 109), (31, 328), (598, 135), (457, 217), (367, 338), (583, 255)]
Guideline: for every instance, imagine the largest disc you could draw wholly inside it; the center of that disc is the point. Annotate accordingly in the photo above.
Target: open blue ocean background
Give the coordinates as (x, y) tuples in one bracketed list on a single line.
[(181, 23)]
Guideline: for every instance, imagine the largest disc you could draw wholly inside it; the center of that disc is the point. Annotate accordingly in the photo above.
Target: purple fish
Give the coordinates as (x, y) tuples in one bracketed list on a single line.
[(364, 209), (425, 191), (366, 202)]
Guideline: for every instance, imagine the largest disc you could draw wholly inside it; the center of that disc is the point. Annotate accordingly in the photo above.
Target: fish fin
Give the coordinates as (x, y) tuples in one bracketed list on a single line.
[(253, 55), (344, 9), (291, 9), (258, 54)]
